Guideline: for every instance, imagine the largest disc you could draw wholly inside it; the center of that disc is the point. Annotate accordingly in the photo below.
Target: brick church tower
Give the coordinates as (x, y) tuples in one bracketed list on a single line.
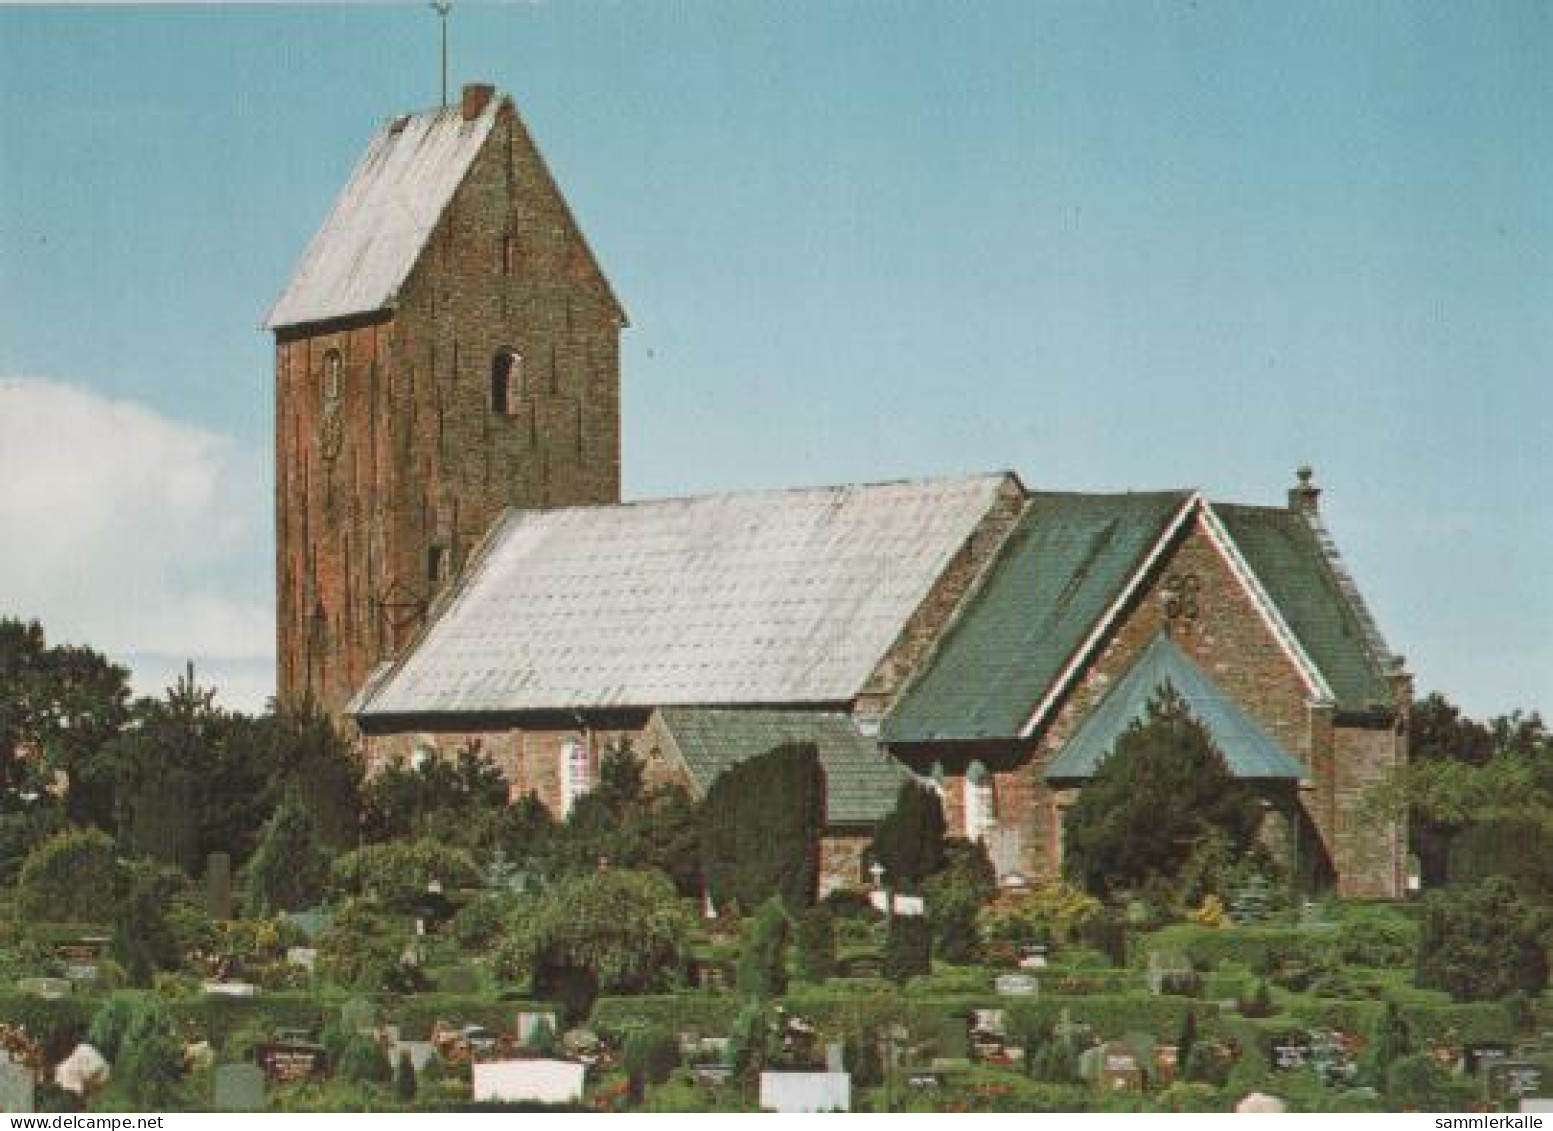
[(447, 347)]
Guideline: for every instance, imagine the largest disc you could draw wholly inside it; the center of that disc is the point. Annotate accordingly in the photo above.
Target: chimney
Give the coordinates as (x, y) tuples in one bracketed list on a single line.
[(1304, 495), (477, 96)]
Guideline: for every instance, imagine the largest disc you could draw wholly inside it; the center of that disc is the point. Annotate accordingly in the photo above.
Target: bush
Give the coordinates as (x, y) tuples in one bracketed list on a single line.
[(479, 922), (1483, 943), (649, 1055), (70, 877), (289, 871), (761, 828), (362, 1061), (363, 947), (909, 842), (112, 1022), (908, 948), (763, 953), (399, 872), (1055, 913), (143, 938), (1422, 1083), (814, 936), (150, 1061), (625, 930)]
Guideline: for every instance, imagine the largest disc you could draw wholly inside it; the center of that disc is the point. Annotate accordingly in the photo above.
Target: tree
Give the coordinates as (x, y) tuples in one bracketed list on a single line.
[(908, 948), (363, 947), (362, 1061), (400, 871), (290, 869), (455, 800), (625, 930), (909, 842), (761, 828), (955, 896), (650, 1054), (1162, 789), (143, 938), (814, 939), (150, 1061), (1387, 1042), (1483, 943), (69, 878), (762, 970)]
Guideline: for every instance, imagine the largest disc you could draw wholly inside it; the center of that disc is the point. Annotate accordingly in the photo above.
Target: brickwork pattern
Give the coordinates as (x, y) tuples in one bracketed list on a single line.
[(383, 492)]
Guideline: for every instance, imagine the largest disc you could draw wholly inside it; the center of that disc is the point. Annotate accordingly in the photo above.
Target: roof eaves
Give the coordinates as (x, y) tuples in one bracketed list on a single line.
[(1113, 611)]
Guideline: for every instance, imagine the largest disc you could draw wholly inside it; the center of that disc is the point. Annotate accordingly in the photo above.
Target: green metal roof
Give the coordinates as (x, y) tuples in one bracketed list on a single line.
[(1059, 570), (861, 780), (1302, 580), (1248, 749)]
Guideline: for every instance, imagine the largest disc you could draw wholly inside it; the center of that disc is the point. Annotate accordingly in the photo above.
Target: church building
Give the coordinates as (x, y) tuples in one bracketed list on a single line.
[(455, 565)]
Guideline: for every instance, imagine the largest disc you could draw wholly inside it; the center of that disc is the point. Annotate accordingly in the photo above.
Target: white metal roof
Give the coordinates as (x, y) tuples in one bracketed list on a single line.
[(361, 256), (759, 597)]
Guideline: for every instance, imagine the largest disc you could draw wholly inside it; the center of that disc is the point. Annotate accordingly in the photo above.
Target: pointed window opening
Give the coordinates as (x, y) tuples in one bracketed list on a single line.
[(334, 378), (506, 380), (576, 773), (980, 804), (509, 254)]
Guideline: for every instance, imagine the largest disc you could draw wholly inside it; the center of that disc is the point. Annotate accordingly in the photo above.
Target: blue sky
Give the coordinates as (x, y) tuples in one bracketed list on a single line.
[(1111, 246)]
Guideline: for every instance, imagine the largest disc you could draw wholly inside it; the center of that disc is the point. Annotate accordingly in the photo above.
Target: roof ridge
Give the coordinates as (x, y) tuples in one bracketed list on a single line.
[(770, 492)]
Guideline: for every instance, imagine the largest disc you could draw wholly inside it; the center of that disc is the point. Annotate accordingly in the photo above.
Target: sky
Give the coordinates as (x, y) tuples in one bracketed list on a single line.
[(1110, 246)]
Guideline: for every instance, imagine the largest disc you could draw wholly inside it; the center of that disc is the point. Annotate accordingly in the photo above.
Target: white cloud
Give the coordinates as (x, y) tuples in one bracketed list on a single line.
[(134, 533)]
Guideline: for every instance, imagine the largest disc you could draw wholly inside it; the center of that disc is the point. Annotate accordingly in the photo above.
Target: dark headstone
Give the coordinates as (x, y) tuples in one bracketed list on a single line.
[(1481, 1057), (218, 885), (286, 1061), (238, 1087)]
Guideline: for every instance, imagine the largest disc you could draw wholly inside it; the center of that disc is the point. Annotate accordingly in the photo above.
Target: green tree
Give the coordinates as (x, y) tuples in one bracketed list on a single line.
[(457, 800), (908, 947), (364, 946), (1387, 1042), (761, 828), (626, 930), (362, 1061), (909, 842), (149, 1067), (650, 1054), (1162, 789), (1483, 943), (71, 877), (955, 895), (814, 944), (400, 872), (762, 972), (144, 940), (290, 869)]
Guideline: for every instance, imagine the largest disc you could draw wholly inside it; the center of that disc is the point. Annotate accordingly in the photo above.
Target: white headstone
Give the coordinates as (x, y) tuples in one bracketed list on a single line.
[(1260, 1103), (1015, 985), (538, 1081), (421, 1053), (1538, 1104), (84, 1070), (904, 904), (798, 1092), (231, 989), (305, 956)]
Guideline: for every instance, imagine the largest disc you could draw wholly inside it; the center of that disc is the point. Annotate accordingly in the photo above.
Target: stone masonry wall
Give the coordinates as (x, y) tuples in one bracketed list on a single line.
[(381, 498)]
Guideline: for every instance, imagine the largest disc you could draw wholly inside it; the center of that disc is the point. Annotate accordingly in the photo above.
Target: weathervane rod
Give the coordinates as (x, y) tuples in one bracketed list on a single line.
[(442, 8)]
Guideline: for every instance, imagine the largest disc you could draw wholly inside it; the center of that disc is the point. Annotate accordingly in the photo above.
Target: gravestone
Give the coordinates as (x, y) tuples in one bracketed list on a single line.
[(421, 1053), (218, 885), (1015, 985), (16, 1087), (1167, 1062), (1033, 956), (230, 989), (1119, 1068), (50, 989), (1536, 1105), (293, 1060), (835, 1057), (1479, 1058), (1166, 966), (238, 1087), (1512, 1079), (532, 1026), (1288, 1052), (303, 956), (793, 1093), (535, 1081)]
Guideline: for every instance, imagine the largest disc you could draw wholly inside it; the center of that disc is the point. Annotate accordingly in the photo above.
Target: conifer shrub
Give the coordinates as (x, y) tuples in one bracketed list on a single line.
[(909, 842), (814, 938), (68, 878), (761, 824), (762, 972), (649, 1055), (908, 948), (404, 1078), (362, 1061)]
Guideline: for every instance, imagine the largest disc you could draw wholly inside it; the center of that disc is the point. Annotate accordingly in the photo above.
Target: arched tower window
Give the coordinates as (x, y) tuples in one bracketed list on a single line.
[(334, 378), (506, 379)]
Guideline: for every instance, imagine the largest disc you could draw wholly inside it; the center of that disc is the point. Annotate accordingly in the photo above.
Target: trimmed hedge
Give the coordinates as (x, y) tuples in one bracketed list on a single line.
[(1256, 948)]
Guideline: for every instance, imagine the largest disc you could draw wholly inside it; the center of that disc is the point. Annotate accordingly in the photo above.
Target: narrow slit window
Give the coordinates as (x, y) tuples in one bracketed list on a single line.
[(506, 377)]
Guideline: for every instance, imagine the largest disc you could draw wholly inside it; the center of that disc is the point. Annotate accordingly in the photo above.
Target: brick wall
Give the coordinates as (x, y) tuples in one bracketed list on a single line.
[(380, 500), (1230, 641)]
